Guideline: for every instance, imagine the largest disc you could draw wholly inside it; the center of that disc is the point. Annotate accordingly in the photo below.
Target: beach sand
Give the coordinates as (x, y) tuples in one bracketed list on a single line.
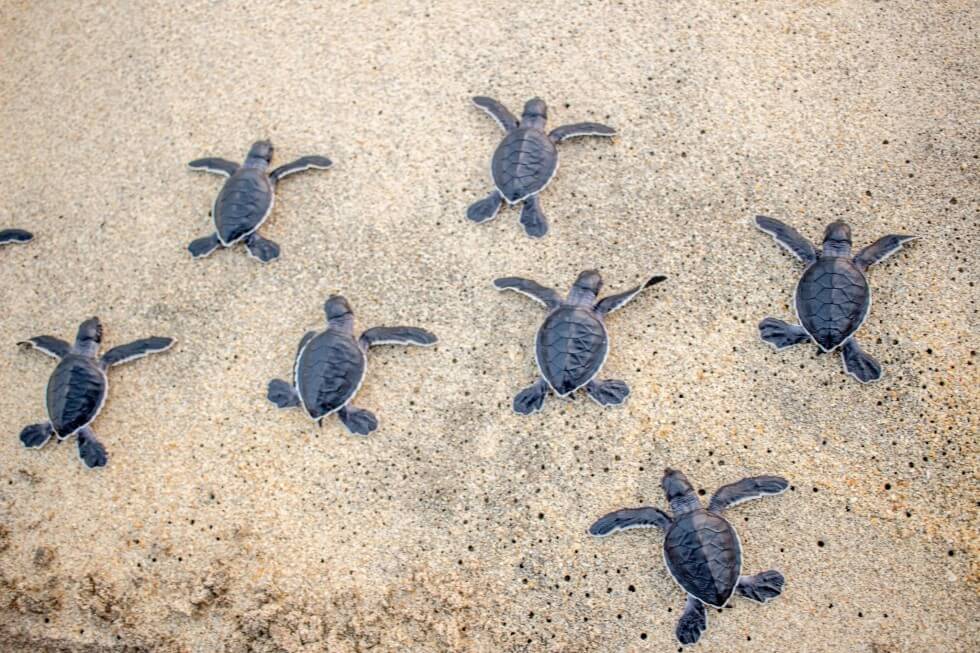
[(224, 524)]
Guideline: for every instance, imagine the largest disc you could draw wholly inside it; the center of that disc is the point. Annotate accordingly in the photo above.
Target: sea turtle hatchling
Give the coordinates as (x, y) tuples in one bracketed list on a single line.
[(572, 342), (10, 236), (701, 548), (246, 200), (525, 161), (832, 297), (330, 367), (78, 387)]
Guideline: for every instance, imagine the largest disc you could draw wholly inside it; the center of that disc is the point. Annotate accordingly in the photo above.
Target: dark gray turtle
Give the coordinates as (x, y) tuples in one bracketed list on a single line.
[(246, 200), (572, 343), (525, 161), (9, 236), (832, 298), (78, 386), (330, 367), (701, 548)]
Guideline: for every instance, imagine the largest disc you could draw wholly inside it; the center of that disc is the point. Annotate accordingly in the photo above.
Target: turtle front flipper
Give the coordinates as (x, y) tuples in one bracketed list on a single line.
[(36, 436), (261, 248), (486, 209), (54, 347), (788, 237), (627, 518), (745, 490), (881, 249), (616, 302), (401, 335), (90, 450), (299, 165), (357, 421), (221, 167), (497, 111), (781, 334), (580, 129), (531, 399), (532, 218), (608, 393), (692, 623), (204, 246), (283, 394), (547, 296), (858, 363), (761, 587), (136, 349), (15, 236)]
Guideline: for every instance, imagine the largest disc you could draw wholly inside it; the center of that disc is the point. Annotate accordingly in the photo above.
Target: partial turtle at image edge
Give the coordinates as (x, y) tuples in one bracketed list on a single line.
[(246, 200), (525, 161), (701, 550), (832, 298), (15, 236), (78, 387), (330, 366), (572, 343)]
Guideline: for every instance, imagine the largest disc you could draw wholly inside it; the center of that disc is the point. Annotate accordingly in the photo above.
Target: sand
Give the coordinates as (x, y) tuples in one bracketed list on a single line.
[(223, 524)]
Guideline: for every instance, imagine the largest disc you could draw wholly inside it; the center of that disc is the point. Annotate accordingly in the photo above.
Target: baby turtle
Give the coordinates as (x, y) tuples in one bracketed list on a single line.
[(330, 367), (246, 200), (78, 387), (572, 342), (9, 236), (832, 298), (701, 548), (525, 161)]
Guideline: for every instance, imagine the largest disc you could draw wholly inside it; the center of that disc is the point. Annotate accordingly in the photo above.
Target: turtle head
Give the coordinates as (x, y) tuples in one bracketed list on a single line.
[(586, 288), (679, 491), (535, 113), (89, 337), (339, 313), (260, 154), (837, 239)]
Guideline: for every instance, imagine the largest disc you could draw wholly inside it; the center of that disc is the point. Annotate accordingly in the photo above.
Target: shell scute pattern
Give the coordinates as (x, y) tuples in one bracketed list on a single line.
[(242, 204), (572, 346), (703, 554), (74, 394), (329, 371), (523, 163), (832, 300)]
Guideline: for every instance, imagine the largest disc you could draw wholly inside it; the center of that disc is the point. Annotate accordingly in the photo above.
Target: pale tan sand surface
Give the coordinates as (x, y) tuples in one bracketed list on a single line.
[(223, 524)]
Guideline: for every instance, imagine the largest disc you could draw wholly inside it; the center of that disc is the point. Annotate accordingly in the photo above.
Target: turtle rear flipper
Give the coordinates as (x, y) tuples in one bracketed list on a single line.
[(90, 450), (692, 623), (781, 334), (282, 394), (761, 587), (36, 436), (859, 364), (357, 421), (531, 399), (485, 209), (532, 218), (262, 248), (608, 393), (204, 246)]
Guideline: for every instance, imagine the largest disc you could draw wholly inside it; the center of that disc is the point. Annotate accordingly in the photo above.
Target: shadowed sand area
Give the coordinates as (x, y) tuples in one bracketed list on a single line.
[(223, 524)]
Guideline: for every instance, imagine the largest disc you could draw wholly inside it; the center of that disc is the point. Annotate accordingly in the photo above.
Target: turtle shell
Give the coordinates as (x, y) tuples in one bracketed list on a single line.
[(243, 204), (571, 347), (704, 555), (832, 300), (75, 394), (328, 372), (523, 164)]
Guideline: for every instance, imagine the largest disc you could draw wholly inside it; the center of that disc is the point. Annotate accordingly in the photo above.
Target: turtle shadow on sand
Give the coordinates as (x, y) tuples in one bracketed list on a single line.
[(246, 200), (701, 549), (525, 161), (832, 298), (330, 366), (572, 343)]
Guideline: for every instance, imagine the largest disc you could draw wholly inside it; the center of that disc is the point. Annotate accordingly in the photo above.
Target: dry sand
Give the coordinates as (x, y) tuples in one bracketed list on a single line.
[(222, 524)]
